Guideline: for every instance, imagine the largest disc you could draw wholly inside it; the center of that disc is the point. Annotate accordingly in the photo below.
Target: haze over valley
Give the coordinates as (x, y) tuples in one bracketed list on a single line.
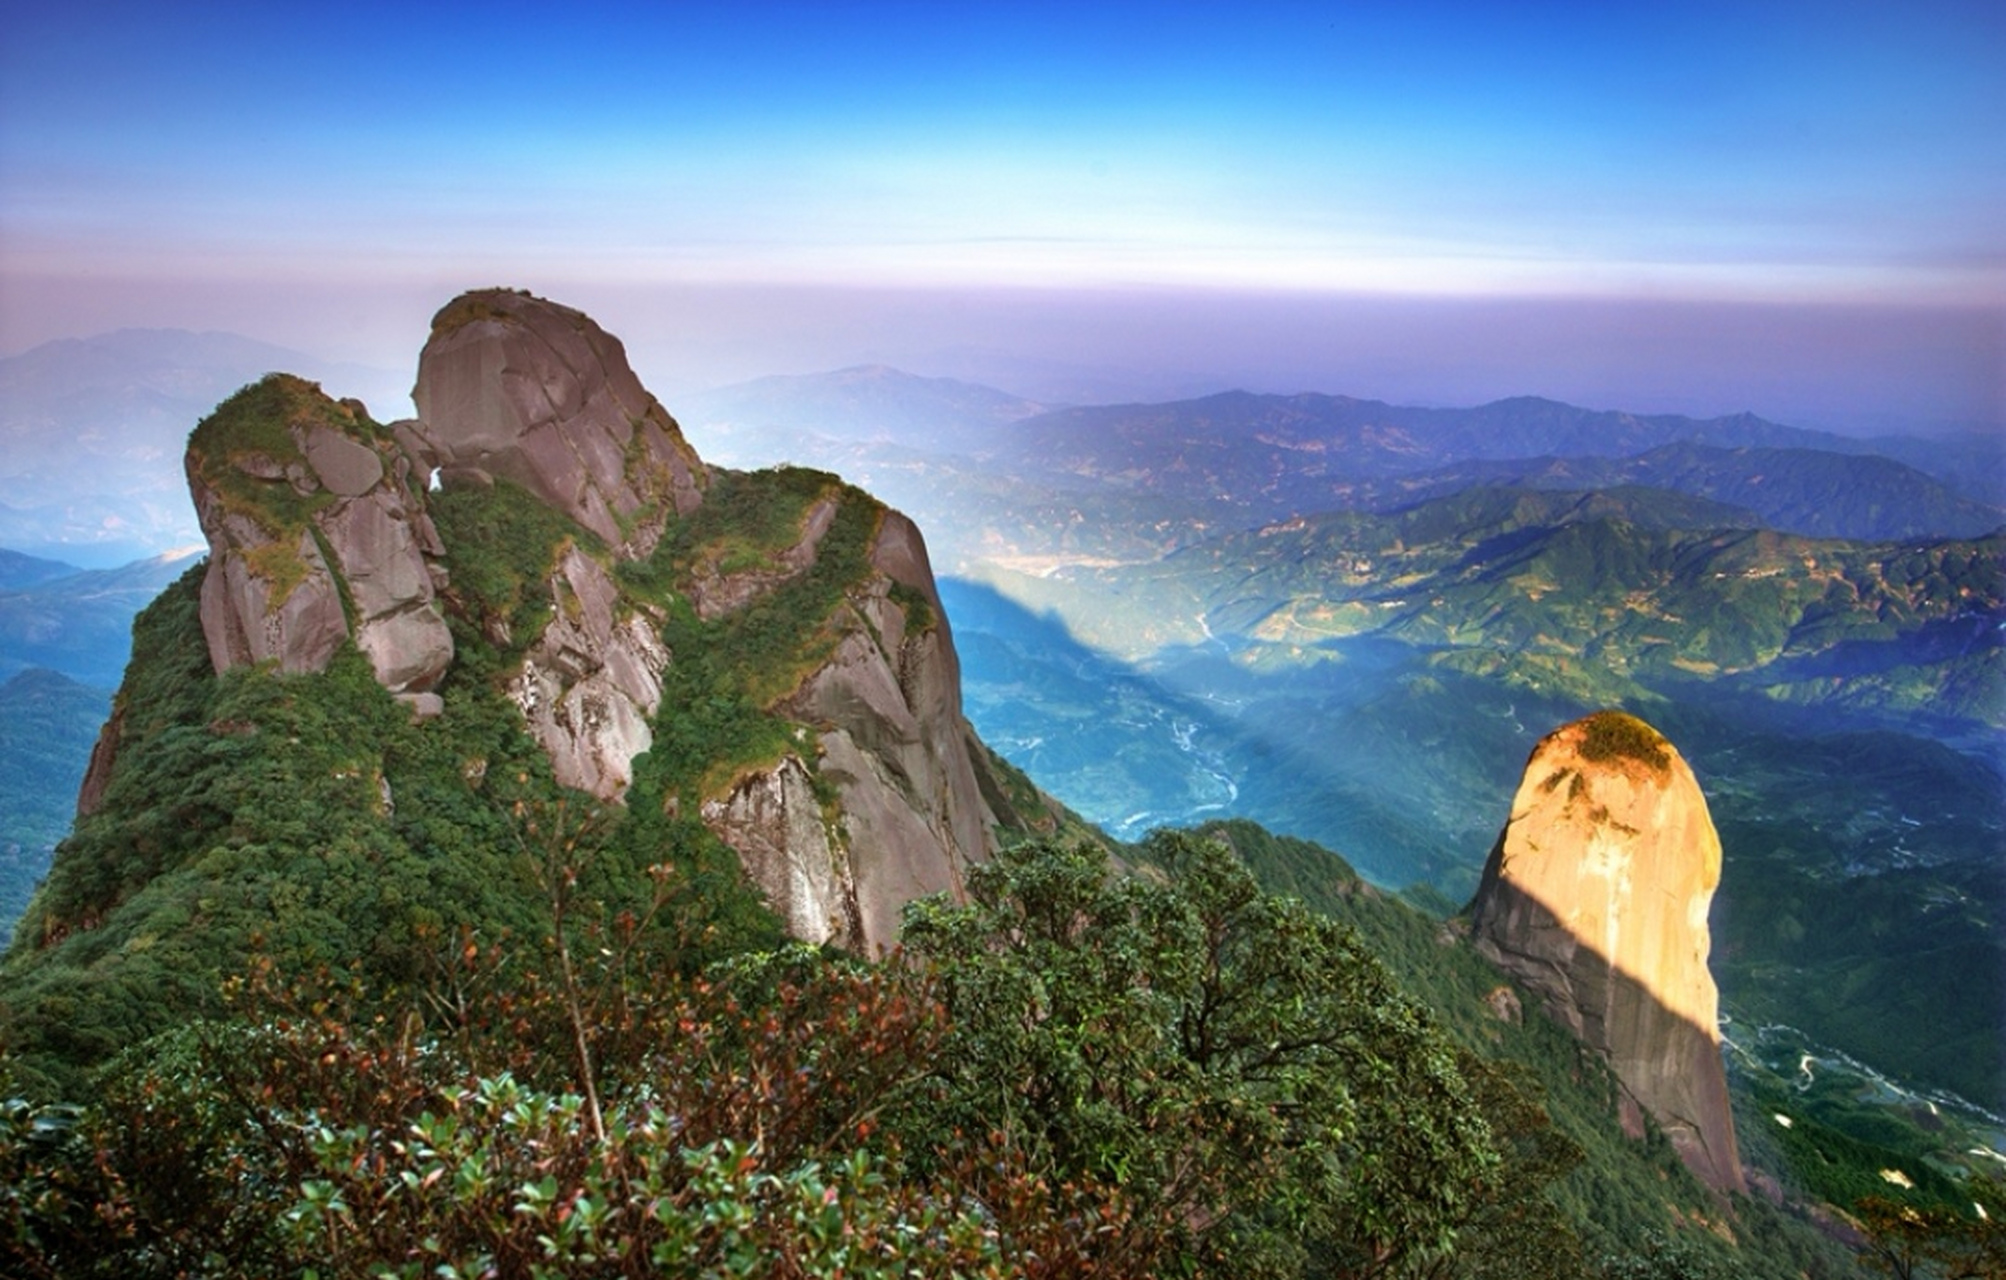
[(1348, 621)]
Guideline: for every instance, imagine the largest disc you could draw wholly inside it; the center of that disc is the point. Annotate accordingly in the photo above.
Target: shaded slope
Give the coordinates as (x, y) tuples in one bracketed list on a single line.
[(47, 725), (1863, 891)]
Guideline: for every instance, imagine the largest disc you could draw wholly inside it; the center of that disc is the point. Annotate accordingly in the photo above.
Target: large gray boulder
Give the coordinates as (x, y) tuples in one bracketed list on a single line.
[(517, 388), (317, 535)]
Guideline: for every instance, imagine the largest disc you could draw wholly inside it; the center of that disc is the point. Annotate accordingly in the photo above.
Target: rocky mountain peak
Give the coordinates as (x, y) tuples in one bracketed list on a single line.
[(796, 607), (514, 387), (317, 534), (1596, 896)]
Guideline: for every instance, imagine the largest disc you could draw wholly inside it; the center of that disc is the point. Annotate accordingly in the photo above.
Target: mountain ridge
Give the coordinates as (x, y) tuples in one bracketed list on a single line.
[(1811, 492), (783, 749), (1599, 576)]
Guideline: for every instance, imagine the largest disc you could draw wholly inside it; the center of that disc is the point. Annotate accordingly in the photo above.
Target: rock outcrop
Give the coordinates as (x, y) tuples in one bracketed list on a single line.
[(1596, 897), (894, 743), (521, 389), (791, 850), (879, 723), (591, 683), (317, 535)]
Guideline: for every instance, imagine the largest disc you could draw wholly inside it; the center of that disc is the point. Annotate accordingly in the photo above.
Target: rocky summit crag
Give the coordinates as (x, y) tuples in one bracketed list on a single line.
[(512, 387), (774, 639), (1596, 896), (317, 534)]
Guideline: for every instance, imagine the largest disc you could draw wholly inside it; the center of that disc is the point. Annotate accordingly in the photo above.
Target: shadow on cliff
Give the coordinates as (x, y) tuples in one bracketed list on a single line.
[(1669, 1065), (1199, 738)]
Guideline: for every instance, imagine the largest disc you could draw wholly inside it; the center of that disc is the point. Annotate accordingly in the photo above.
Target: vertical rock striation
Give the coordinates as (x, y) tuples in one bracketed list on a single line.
[(894, 742), (1596, 896)]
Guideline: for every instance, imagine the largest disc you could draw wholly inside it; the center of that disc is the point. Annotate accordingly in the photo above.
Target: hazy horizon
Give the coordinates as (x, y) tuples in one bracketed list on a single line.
[(1829, 368), (1791, 209)]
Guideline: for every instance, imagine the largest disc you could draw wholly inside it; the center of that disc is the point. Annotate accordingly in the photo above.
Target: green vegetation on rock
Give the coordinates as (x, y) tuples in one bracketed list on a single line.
[(501, 546), (261, 422), (309, 818), (1612, 735), (1076, 1074), (1624, 1208)]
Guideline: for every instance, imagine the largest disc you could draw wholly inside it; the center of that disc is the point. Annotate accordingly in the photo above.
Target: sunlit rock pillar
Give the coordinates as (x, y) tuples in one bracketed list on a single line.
[(1596, 897)]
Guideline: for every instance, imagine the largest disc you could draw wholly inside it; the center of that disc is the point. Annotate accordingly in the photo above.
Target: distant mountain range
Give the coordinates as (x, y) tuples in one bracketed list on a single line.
[(77, 621), (991, 477), (1813, 492), (91, 434), (92, 430), (866, 404), (1607, 591), (1273, 452), (18, 571)]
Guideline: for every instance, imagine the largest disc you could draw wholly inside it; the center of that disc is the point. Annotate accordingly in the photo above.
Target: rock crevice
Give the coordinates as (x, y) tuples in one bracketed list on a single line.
[(592, 682)]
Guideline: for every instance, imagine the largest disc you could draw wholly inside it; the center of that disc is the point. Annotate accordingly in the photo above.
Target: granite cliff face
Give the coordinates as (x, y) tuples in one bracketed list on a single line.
[(1596, 897), (892, 738), (880, 724), (317, 535), (591, 683), (320, 535), (515, 388)]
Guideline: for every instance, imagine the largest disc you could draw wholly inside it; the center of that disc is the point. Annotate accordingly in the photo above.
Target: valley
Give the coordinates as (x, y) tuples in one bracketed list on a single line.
[(1301, 611), (65, 637), (1309, 613)]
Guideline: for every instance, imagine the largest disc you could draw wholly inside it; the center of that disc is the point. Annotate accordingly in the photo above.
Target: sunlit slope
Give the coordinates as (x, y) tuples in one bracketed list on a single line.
[(1595, 594)]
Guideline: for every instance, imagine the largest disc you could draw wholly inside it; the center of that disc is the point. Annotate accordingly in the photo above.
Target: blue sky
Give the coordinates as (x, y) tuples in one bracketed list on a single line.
[(837, 182)]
